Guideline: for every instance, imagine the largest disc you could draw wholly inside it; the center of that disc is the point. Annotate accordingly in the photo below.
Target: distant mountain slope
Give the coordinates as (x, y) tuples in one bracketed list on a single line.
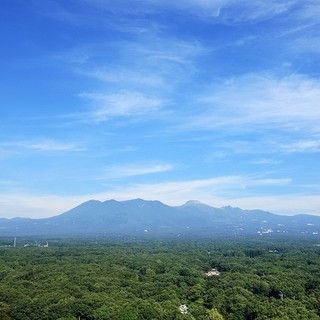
[(153, 217)]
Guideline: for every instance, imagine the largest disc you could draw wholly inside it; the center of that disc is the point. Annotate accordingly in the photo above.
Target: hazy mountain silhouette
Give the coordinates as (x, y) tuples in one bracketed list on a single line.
[(155, 218)]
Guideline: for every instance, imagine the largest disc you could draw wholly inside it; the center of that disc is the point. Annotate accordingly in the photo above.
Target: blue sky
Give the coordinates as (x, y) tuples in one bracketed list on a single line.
[(217, 101)]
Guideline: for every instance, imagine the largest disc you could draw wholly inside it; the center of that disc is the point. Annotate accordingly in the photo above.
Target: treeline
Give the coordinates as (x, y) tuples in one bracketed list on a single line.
[(100, 279)]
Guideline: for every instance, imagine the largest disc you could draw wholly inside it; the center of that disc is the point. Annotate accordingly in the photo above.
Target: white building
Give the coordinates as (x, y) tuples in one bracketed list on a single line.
[(183, 309)]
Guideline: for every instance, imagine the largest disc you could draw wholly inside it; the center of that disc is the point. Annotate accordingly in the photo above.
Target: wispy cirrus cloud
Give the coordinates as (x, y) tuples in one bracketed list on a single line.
[(123, 171), (303, 44), (246, 11), (307, 11), (42, 145), (50, 145), (230, 9), (265, 161), (260, 100), (142, 82), (125, 76), (165, 59), (109, 13), (201, 188), (302, 146), (106, 106)]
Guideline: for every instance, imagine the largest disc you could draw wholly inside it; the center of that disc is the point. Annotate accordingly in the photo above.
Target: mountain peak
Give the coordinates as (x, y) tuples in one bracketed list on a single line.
[(134, 216), (192, 202)]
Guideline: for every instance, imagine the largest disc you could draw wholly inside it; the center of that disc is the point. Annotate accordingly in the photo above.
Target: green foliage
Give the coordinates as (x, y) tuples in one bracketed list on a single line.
[(214, 314), (149, 280)]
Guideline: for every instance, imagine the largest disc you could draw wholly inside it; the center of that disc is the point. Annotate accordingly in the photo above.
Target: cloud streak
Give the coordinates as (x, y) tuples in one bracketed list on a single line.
[(227, 9), (259, 100), (42, 145), (117, 172), (302, 146), (107, 106)]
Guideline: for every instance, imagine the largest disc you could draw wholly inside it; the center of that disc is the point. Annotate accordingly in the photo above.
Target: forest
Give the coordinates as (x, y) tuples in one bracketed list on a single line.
[(131, 279)]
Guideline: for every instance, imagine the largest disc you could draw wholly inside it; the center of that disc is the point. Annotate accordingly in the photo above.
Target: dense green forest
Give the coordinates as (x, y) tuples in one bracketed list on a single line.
[(150, 279)]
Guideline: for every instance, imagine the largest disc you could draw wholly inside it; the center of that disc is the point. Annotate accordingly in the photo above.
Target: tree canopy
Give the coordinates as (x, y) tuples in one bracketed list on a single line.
[(108, 279)]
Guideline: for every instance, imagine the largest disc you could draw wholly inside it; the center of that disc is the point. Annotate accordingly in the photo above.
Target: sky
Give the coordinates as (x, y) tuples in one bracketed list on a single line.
[(210, 100)]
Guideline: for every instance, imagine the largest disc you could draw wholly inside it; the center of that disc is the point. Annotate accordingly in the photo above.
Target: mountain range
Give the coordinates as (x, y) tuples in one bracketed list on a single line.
[(141, 217)]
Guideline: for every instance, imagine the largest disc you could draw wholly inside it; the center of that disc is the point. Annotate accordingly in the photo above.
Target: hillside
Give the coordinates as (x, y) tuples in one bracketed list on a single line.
[(141, 217)]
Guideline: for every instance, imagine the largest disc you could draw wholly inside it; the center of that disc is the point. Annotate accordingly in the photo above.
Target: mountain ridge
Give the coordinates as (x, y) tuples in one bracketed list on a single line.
[(139, 216)]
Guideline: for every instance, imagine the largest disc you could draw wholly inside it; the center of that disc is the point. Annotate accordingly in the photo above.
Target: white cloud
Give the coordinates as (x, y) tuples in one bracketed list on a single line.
[(121, 104), (265, 161), (312, 146), (230, 10), (244, 11), (125, 76), (211, 7), (143, 82), (121, 13), (50, 145), (308, 11), (134, 170), (305, 43), (46, 145), (259, 100), (208, 8), (164, 59)]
